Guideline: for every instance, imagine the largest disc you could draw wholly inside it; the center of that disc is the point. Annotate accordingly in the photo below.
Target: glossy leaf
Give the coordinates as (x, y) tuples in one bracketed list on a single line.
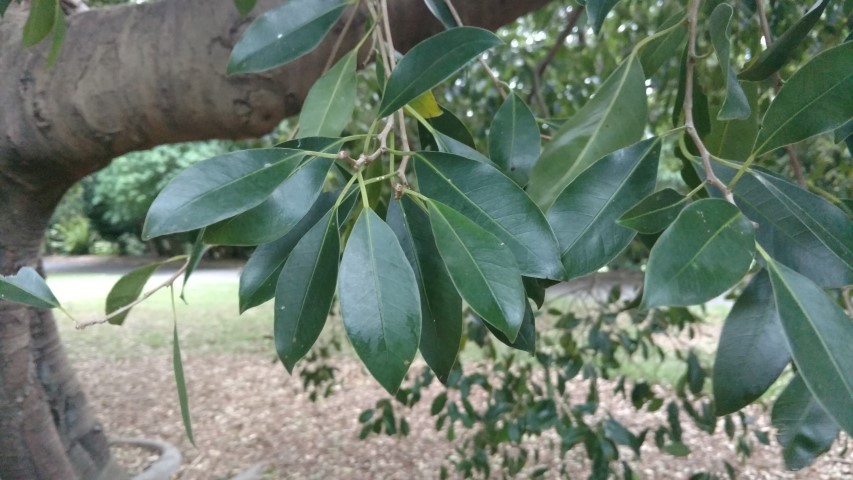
[(196, 254), (329, 105), (431, 62), (784, 47), (259, 277), (440, 11), (735, 105), (815, 99), (614, 118), (450, 125), (379, 299), (218, 188), (27, 287), (284, 34), (482, 268), (305, 290), (279, 213), (483, 194), (426, 106), (805, 429), (514, 143), (180, 382), (655, 212), (752, 351), (733, 139), (441, 305), (597, 10), (584, 215), (128, 288), (796, 227), (40, 21), (702, 254), (660, 50), (245, 7), (449, 144), (526, 338), (820, 336)]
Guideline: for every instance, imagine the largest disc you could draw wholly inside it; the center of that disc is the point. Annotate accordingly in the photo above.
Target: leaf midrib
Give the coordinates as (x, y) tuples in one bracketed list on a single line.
[(705, 244)]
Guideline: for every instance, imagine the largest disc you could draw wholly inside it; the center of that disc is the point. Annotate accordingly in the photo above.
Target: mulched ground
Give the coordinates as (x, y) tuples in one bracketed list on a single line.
[(246, 409)]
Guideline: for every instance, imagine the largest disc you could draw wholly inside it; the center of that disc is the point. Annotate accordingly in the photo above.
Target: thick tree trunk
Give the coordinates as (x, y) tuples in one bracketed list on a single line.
[(129, 77)]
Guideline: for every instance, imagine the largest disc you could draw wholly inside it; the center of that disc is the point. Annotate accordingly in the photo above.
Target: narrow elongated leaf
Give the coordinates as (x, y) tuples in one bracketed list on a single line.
[(752, 351), (660, 50), (276, 215), (733, 139), (218, 188), (330, 102), (614, 118), (784, 47), (584, 215), (449, 144), (379, 298), (128, 288), (196, 254), (305, 290), (431, 62), (735, 105), (482, 268), (820, 336), (441, 305), (526, 338), (245, 7), (514, 140), (259, 277), (815, 99), (597, 10), (440, 11), (796, 227), (284, 34), (180, 382), (40, 21), (496, 203), (805, 429), (702, 254), (27, 287), (655, 212)]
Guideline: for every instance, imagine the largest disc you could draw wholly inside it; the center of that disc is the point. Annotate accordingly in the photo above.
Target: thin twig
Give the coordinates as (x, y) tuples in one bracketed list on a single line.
[(777, 85), (845, 296), (536, 92), (404, 138), (491, 73), (692, 20), (340, 39)]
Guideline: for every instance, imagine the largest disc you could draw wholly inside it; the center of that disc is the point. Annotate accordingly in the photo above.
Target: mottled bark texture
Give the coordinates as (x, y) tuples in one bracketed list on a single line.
[(129, 78)]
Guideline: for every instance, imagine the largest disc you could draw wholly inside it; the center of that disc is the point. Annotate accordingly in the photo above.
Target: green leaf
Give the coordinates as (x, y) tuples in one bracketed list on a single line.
[(284, 34), (218, 188), (695, 374), (806, 431), (259, 277), (305, 290), (440, 11), (40, 21), (329, 105), (128, 288), (733, 139), (4, 4), (431, 62), (534, 288), (814, 100), (483, 194), (245, 7), (752, 351), (526, 338), (514, 139), (59, 28), (279, 213), (196, 254), (655, 212), (379, 298), (844, 132), (584, 215), (482, 268), (735, 105), (597, 10), (180, 382), (702, 254), (784, 47), (660, 50), (441, 306), (796, 227), (29, 288), (819, 335), (448, 124), (448, 144), (614, 118)]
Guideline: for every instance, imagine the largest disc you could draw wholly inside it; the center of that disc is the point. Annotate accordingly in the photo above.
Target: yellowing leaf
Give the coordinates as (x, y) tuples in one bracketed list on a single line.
[(426, 106)]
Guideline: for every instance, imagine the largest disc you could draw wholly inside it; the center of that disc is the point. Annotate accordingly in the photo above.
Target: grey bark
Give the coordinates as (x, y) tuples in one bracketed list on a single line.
[(129, 77)]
